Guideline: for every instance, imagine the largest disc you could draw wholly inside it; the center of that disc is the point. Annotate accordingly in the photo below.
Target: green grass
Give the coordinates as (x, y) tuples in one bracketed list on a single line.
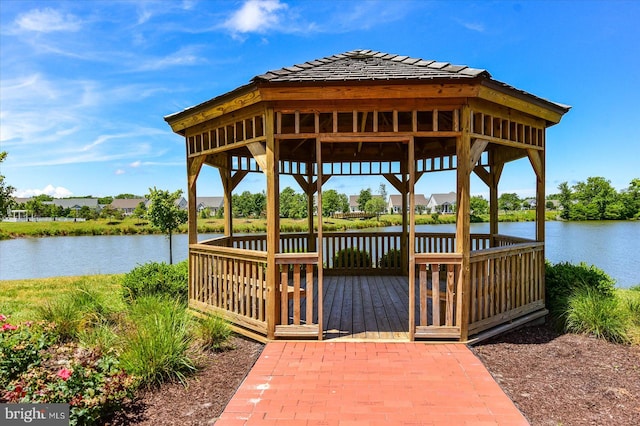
[(22, 299), (157, 341), (131, 226), (603, 316)]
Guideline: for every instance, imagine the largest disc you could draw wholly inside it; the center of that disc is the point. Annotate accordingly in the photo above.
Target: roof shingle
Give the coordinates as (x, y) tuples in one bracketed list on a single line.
[(369, 65)]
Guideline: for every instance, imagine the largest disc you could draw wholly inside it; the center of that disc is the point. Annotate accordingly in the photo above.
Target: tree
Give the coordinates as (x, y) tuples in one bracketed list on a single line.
[(140, 211), (365, 195), (631, 199), (566, 200), (375, 205), (478, 205), (509, 201), (333, 201), (105, 200), (595, 195), (126, 196), (292, 204), (5, 192), (35, 207), (164, 214), (382, 190)]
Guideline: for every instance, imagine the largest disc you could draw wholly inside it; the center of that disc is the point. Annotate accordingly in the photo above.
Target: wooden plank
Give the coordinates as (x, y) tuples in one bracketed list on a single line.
[(296, 294), (504, 317), (370, 324), (310, 296), (435, 294), (450, 291), (192, 117), (395, 306), (345, 323), (437, 332), (292, 331), (358, 323), (423, 294)]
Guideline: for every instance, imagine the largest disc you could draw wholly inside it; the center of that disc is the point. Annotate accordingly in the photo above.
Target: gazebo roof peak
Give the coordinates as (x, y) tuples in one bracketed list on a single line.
[(367, 65)]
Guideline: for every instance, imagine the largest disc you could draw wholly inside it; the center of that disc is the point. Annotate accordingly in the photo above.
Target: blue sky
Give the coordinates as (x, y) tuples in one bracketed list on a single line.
[(84, 85)]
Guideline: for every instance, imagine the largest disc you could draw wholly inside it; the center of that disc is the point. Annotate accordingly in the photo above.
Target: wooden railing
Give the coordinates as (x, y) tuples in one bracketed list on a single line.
[(298, 315), (506, 283), (439, 284), (229, 282)]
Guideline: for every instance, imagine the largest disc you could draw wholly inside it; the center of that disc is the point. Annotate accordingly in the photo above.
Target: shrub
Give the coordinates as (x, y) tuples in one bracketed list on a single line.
[(77, 312), (214, 332), (156, 344), (391, 259), (20, 347), (564, 279), (157, 279), (91, 383), (350, 257), (592, 312)]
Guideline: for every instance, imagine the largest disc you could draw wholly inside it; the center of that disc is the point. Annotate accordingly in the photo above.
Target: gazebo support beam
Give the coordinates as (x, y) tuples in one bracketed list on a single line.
[(411, 247), (273, 225), (463, 242), (194, 165)]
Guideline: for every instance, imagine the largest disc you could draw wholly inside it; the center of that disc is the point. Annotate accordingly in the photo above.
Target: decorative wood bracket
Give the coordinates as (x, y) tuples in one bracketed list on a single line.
[(259, 153), (194, 165), (477, 148), (535, 158), (310, 188)]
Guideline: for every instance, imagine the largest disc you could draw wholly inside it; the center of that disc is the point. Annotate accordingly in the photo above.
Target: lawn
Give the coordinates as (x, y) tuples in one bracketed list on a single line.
[(132, 226)]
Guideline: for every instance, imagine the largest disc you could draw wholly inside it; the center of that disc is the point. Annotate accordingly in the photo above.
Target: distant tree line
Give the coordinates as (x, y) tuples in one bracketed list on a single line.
[(596, 199), (294, 205)]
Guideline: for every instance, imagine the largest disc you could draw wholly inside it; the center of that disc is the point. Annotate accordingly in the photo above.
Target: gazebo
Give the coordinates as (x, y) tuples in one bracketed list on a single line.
[(368, 113)]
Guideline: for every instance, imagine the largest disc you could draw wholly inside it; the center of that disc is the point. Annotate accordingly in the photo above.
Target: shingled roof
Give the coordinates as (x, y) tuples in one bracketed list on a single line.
[(370, 65)]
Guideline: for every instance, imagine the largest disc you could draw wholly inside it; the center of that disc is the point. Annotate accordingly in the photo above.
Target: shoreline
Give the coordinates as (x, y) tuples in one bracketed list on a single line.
[(13, 230)]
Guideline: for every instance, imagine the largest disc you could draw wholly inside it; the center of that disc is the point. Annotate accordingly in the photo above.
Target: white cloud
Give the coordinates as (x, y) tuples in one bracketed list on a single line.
[(256, 16), (47, 21), (53, 191), (135, 164), (184, 56), (473, 26), (119, 172)]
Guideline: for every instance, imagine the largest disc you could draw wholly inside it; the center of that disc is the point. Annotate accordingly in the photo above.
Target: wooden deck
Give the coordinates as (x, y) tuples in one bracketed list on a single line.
[(364, 307)]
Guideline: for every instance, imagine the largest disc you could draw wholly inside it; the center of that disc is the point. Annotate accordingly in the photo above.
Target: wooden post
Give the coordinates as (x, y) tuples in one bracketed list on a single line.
[(495, 172), (310, 190), (320, 243), (404, 205), (225, 176), (273, 225), (193, 169), (411, 246), (463, 238)]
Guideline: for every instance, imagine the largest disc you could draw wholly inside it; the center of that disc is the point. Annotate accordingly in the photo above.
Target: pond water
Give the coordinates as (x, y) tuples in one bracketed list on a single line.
[(611, 246)]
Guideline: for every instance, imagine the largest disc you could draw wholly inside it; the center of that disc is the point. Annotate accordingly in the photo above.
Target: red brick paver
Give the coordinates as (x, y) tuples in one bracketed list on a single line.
[(344, 383)]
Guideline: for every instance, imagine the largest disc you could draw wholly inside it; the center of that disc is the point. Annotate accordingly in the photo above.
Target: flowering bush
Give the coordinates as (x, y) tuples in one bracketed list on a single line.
[(88, 380), (20, 347)]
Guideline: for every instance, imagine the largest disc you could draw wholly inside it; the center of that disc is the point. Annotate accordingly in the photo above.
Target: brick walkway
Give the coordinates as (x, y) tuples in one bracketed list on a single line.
[(344, 383)]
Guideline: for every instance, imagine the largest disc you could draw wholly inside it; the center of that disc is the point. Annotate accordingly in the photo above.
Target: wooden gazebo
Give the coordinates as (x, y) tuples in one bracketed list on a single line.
[(368, 113)]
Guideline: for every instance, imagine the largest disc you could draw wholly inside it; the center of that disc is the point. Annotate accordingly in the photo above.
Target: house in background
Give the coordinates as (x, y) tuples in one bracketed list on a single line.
[(395, 203), (213, 204), (128, 205), (442, 203), (76, 203)]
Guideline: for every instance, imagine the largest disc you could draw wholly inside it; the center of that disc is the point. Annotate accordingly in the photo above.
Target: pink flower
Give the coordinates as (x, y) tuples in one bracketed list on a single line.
[(65, 373), (8, 326), (3, 317)]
